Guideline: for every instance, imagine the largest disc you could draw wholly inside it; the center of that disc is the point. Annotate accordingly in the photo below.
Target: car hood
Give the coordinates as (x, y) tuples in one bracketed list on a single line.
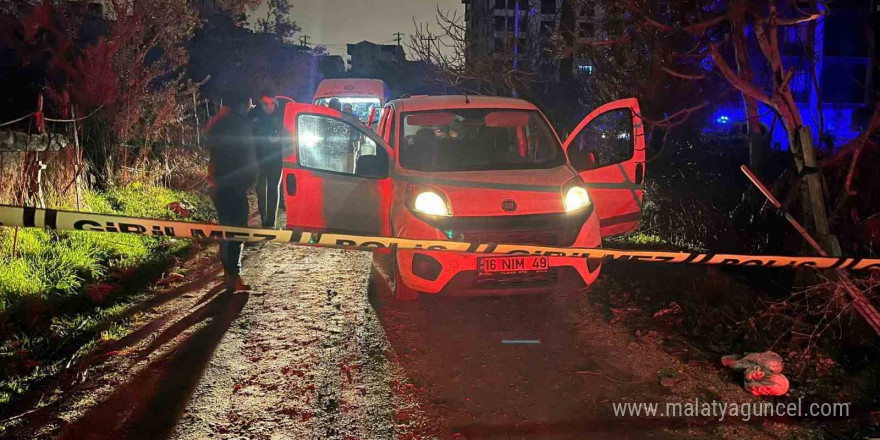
[(484, 193)]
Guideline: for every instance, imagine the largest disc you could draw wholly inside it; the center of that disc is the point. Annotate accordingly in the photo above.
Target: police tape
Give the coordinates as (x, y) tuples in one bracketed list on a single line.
[(83, 221)]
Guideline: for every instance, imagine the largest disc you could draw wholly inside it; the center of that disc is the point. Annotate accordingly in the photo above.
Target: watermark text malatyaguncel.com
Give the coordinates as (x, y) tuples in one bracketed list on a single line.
[(721, 410)]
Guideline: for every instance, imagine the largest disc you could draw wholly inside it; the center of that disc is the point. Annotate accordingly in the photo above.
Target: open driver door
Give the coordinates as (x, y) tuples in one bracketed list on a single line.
[(336, 174), (608, 150)]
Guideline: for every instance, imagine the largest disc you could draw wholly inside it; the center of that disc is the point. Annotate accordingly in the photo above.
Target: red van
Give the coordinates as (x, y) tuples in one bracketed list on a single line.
[(474, 169)]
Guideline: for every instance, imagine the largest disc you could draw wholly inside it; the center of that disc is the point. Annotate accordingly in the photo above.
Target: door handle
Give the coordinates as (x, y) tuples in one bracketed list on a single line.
[(640, 174), (290, 184)]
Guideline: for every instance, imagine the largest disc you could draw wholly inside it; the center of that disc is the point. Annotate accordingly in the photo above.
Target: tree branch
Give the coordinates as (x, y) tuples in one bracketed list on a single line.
[(625, 38), (743, 67), (682, 75), (786, 80), (734, 79), (858, 143), (676, 118), (797, 20), (694, 28), (581, 43)]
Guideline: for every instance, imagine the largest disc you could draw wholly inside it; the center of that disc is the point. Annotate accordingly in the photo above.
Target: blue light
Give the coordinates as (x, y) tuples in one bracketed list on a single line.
[(516, 38), (707, 64), (723, 119)]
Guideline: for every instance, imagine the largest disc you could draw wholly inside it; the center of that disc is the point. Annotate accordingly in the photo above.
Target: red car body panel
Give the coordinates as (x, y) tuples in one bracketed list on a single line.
[(617, 190)]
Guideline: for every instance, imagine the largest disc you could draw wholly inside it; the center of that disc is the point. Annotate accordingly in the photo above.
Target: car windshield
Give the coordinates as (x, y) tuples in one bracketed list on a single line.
[(478, 140), (360, 107)]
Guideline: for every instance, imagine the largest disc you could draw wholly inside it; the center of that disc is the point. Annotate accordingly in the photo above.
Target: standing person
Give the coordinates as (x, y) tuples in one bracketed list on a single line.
[(267, 142), (232, 171)]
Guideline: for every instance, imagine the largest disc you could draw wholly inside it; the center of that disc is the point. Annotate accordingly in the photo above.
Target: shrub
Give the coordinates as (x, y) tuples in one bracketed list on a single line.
[(137, 200), (114, 250), (97, 203), (31, 242), (17, 282)]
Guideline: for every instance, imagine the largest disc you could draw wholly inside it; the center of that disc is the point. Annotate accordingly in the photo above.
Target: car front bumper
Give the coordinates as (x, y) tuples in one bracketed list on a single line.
[(457, 274)]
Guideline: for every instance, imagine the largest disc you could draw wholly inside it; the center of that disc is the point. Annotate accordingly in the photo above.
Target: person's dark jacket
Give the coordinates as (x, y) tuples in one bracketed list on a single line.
[(266, 129), (230, 143)]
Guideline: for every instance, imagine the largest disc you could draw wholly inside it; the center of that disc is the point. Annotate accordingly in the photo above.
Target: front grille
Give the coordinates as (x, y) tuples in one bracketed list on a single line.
[(557, 229), (538, 238)]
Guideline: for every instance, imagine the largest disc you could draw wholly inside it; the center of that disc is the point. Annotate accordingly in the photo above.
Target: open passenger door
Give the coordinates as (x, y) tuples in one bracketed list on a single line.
[(608, 150), (336, 173)]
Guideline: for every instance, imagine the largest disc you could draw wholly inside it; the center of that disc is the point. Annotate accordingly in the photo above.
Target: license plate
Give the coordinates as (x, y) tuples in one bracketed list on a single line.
[(512, 265)]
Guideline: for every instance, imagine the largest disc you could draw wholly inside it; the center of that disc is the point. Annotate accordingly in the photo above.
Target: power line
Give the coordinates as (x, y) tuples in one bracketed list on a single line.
[(399, 36), (304, 40)]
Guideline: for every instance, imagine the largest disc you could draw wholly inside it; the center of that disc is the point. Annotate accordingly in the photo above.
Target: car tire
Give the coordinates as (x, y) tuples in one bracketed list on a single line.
[(401, 291)]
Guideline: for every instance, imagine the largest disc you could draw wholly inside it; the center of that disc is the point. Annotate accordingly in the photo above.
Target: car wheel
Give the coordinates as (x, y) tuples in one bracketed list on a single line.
[(401, 291)]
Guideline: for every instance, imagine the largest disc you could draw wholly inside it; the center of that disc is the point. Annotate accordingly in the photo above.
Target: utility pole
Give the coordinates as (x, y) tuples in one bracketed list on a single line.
[(304, 40), (399, 36)]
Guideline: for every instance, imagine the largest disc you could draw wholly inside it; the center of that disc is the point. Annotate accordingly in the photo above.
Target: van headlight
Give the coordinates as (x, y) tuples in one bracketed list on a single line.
[(575, 199), (431, 203)]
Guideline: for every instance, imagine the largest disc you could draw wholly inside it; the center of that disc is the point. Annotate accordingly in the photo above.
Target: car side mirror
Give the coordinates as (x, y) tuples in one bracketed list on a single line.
[(372, 166), (584, 161), (591, 160)]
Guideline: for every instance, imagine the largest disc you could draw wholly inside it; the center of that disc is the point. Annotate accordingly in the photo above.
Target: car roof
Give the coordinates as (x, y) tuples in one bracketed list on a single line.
[(330, 88), (460, 101)]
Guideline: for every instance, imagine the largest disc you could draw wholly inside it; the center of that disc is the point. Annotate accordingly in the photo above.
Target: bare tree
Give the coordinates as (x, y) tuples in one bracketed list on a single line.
[(277, 20), (706, 27), (780, 98), (455, 62), (759, 144)]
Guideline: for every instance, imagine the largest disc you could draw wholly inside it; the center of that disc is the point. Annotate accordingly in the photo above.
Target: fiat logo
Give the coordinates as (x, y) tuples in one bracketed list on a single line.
[(508, 205)]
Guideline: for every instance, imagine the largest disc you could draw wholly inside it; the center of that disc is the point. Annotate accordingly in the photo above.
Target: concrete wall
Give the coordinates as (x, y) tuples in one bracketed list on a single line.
[(19, 141), (57, 179)]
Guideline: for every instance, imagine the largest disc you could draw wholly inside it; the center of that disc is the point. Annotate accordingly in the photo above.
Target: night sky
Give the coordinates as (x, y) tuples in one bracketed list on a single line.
[(334, 23)]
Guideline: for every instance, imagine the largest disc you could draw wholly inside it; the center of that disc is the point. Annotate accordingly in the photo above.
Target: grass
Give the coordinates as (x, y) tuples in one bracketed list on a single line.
[(49, 312), (638, 240)]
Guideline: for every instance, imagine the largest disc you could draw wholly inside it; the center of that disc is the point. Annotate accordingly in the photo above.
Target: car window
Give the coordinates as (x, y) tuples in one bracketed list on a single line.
[(477, 140), (607, 140), (329, 144), (360, 107)]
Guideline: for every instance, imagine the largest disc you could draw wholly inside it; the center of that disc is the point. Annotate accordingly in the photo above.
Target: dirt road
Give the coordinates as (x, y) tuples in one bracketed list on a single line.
[(319, 350)]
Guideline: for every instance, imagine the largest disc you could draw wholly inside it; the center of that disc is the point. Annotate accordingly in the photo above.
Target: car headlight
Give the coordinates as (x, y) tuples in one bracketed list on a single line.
[(575, 199), (431, 203)]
